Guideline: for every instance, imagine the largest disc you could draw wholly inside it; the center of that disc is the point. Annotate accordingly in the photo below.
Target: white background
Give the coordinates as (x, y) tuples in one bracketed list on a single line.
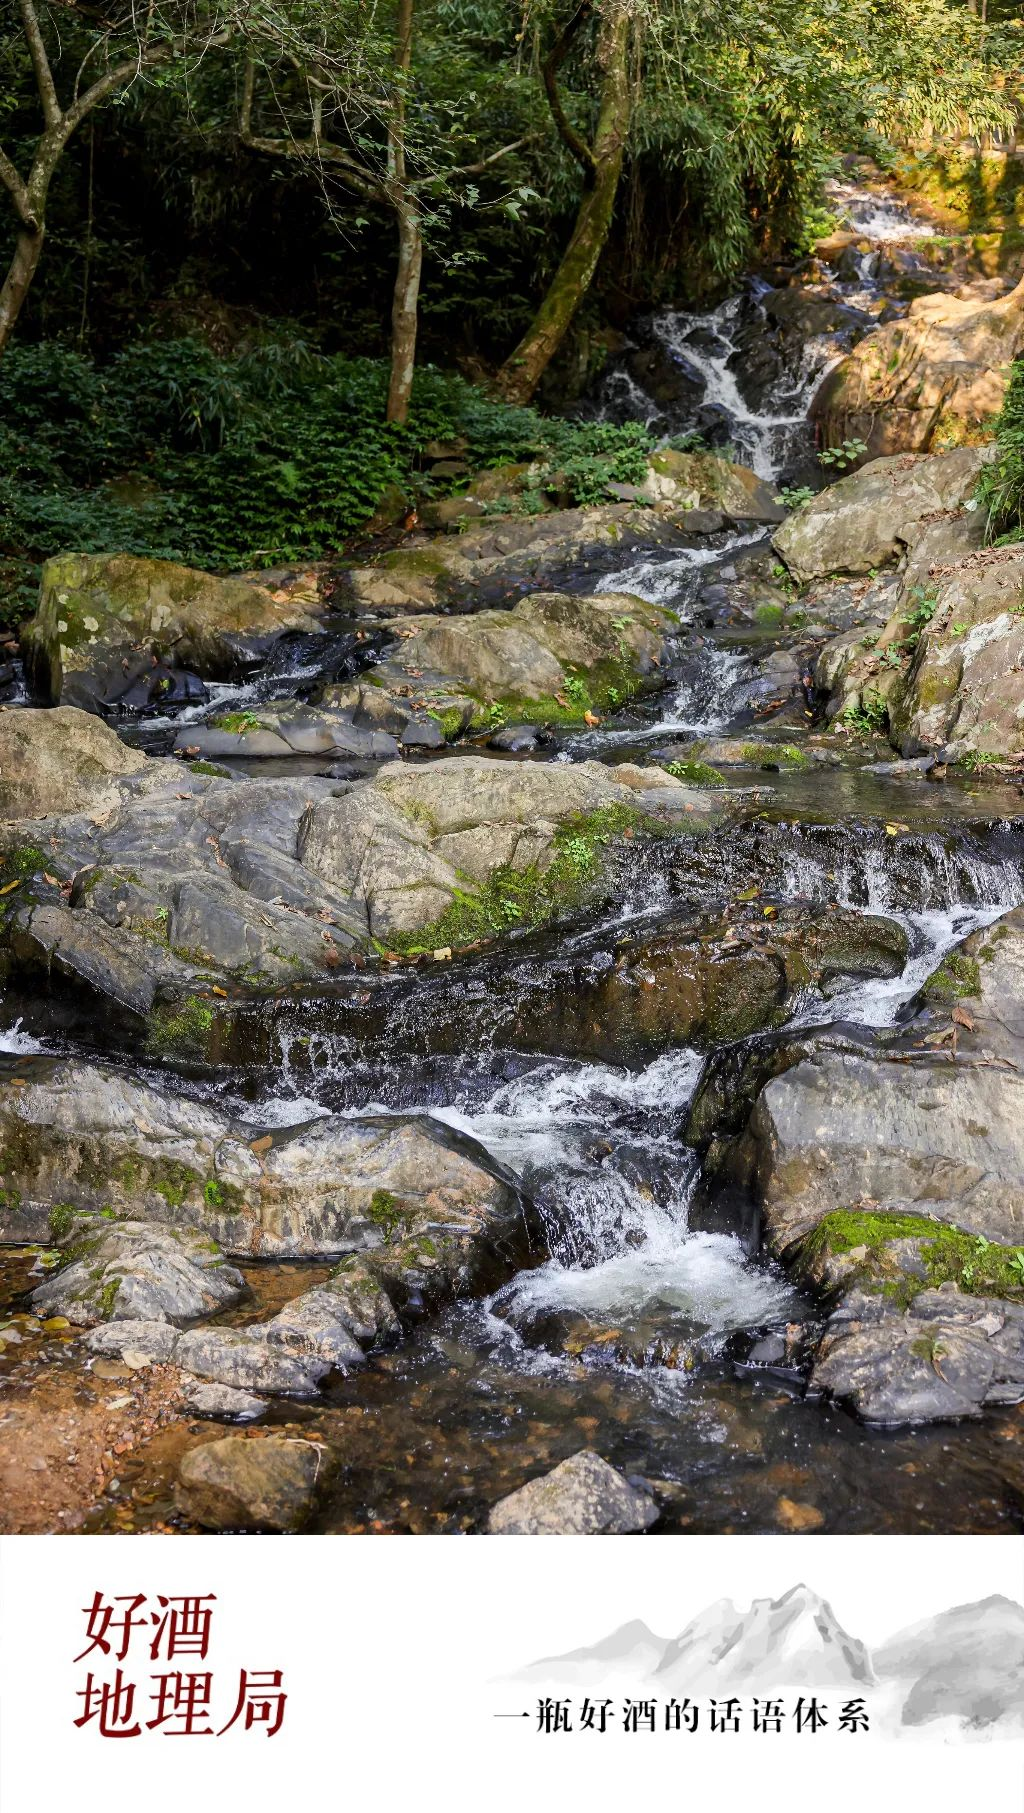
[(397, 1652)]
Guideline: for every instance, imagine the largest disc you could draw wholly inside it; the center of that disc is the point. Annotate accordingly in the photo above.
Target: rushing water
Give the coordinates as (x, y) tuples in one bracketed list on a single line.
[(631, 1332)]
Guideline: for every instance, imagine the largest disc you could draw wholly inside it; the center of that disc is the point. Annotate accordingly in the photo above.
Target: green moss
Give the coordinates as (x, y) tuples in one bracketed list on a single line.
[(220, 1195), (385, 1212), (10, 1199), (108, 1297), (173, 1181), (450, 721), (780, 755), (213, 769), (180, 1029), (236, 723), (60, 1221), (769, 615), (955, 977), (980, 1267), (522, 899), (695, 773)]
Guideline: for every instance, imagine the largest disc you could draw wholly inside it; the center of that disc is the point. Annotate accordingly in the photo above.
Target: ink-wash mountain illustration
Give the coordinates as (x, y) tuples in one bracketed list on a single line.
[(964, 1666)]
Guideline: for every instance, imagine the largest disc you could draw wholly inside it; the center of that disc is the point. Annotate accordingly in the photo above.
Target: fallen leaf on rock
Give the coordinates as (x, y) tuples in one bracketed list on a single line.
[(962, 1017), (222, 992), (11, 885), (792, 1516), (591, 718), (263, 1144), (444, 955)]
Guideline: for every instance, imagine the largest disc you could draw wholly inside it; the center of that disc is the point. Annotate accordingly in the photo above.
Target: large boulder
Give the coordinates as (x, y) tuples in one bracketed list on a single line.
[(865, 520), (702, 481), (838, 1129), (424, 1206), (194, 880), (583, 1496), (946, 672), (138, 1271), (101, 615), (683, 493), (60, 761), (268, 1482), (604, 647), (702, 984), (422, 850), (945, 1357), (941, 369)]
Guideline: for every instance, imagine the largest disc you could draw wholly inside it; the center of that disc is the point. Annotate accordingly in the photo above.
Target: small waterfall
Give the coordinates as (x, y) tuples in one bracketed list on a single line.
[(875, 217)]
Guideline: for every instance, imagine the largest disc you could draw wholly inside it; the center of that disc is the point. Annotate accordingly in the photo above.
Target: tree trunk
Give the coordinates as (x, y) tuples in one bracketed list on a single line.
[(27, 252), (410, 232), (405, 310), (524, 368)]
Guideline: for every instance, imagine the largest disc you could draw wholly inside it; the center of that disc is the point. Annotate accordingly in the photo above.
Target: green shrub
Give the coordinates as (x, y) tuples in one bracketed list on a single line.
[(1001, 486), (279, 453)]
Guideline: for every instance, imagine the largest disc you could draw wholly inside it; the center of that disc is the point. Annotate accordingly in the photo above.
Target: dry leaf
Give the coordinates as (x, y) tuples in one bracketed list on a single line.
[(962, 1017), (263, 1144)]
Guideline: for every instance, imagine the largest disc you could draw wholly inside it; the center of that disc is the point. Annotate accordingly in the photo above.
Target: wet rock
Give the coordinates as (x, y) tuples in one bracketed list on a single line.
[(866, 519), (699, 984), (60, 761), (502, 552), (946, 1357), (246, 1483), (408, 843), (838, 1129), (283, 730), (241, 1359), (221, 1401), (944, 363), (272, 882), (155, 1340), (698, 481), (583, 1496), (518, 739), (138, 1271), (424, 734), (429, 1215), (364, 1307), (314, 1324), (611, 644), (98, 611)]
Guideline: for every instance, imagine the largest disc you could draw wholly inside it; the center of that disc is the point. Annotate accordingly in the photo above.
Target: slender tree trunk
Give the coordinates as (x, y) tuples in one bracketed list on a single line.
[(522, 371), (27, 252), (405, 310), (405, 305)]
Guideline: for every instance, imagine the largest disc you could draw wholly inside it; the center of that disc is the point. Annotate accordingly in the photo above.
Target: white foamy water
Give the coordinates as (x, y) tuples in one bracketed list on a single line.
[(661, 579), (13, 1040), (701, 1279), (622, 1249), (968, 893), (876, 217)]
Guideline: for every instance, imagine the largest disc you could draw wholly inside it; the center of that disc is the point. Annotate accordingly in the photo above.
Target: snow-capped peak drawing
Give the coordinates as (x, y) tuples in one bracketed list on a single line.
[(795, 1641), (965, 1665)]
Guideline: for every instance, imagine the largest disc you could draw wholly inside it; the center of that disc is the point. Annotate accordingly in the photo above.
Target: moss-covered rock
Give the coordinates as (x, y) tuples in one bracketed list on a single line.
[(98, 610)]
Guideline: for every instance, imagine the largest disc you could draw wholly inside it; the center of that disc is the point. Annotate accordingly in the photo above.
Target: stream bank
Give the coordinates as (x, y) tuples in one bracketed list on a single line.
[(459, 1046)]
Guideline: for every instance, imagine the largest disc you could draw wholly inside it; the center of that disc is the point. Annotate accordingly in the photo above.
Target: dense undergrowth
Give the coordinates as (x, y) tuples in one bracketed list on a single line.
[(276, 454), (1001, 489)]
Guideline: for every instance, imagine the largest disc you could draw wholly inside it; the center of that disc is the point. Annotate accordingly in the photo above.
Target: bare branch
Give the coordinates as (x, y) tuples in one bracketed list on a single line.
[(19, 194), (315, 149), (40, 63), (126, 72), (477, 169), (549, 70)]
